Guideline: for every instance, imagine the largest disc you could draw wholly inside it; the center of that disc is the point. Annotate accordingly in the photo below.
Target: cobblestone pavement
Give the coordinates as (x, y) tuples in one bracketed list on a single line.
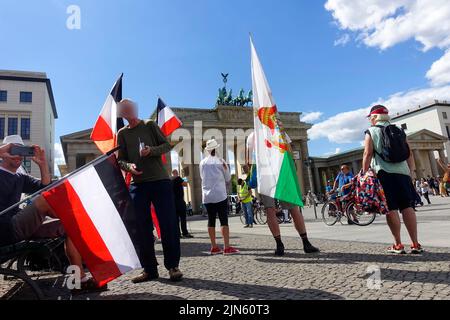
[(338, 272)]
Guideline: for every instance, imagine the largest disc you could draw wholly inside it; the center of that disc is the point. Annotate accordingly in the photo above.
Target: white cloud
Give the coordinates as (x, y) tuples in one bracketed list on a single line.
[(345, 127), (439, 72), (332, 153), (385, 23), (349, 127), (311, 116), (343, 40), (59, 158)]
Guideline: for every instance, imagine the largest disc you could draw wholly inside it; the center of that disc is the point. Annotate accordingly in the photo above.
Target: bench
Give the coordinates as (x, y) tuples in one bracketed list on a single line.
[(14, 260)]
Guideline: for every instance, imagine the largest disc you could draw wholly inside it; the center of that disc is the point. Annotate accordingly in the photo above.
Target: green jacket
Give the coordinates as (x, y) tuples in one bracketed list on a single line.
[(150, 134)]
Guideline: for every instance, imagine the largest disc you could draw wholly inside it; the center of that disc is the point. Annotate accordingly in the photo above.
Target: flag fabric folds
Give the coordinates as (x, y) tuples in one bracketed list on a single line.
[(90, 205), (108, 123), (276, 173), (167, 120)]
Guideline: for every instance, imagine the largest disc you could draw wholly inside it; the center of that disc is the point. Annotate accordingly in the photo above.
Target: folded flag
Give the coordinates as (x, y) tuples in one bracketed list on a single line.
[(104, 133), (276, 172), (90, 205), (167, 121)]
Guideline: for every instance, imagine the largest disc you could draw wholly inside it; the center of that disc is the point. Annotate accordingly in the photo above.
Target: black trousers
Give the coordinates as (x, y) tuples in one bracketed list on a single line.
[(426, 195), (180, 207), (161, 195)]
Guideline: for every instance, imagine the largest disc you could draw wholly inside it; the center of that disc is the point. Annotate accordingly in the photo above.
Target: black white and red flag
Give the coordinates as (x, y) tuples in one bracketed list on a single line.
[(90, 204)]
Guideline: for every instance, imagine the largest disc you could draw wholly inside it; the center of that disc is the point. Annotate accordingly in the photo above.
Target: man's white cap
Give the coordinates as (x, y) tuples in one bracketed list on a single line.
[(212, 145), (15, 139)]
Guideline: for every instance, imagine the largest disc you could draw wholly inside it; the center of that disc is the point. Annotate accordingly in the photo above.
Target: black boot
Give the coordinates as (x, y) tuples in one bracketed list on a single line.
[(307, 246), (280, 247)]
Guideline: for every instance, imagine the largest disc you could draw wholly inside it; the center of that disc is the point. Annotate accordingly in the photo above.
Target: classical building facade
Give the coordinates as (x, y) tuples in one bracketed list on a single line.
[(27, 108), (426, 147), (434, 116), (229, 124)]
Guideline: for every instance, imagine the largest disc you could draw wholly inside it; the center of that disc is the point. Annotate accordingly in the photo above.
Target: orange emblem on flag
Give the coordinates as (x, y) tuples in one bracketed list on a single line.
[(267, 117)]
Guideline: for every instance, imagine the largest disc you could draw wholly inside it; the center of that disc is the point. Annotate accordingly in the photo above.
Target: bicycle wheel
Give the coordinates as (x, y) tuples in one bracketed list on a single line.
[(280, 217), (261, 215), (330, 213), (359, 217), (242, 217)]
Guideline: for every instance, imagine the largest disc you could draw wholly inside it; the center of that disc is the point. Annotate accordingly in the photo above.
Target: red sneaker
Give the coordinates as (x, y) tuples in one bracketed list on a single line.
[(416, 249), (230, 251), (215, 251), (397, 249)]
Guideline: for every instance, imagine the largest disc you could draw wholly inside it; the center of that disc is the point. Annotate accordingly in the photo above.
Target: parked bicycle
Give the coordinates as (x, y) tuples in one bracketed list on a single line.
[(259, 213), (283, 216), (338, 207)]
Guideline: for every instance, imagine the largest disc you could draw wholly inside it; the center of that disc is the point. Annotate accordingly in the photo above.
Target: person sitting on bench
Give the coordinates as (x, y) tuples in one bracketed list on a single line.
[(35, 221)]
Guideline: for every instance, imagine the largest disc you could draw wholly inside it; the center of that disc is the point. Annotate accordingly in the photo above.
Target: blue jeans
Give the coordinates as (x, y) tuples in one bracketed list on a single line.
[(248, 211), (159, 193)]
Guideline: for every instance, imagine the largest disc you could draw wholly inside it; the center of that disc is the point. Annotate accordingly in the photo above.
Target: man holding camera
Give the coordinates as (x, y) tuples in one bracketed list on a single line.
[(31, 222)]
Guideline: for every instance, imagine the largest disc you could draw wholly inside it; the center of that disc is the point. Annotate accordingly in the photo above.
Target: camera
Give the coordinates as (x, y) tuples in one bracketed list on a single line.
[(22, 151)]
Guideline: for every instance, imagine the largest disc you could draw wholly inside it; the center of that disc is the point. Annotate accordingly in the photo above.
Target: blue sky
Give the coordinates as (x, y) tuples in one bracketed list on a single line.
[(177, 49)]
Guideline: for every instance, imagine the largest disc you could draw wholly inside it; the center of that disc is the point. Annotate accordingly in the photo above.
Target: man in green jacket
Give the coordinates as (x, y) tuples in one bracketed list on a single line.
[(142, 144)]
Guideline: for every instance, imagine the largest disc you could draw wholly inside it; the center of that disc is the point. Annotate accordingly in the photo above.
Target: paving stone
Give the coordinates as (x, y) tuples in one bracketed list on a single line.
[(338, 272)]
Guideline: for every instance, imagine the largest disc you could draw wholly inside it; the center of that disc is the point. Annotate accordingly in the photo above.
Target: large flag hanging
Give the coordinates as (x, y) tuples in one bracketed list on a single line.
[(108, 123), (167, 121), (90, 205), (276, 170)]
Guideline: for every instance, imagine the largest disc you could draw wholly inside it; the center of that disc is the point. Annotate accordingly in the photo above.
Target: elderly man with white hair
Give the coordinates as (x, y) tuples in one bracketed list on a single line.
[(387, 152)]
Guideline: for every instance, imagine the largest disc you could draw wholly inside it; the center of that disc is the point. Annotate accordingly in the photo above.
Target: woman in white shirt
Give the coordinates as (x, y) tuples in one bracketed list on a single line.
[(215, 175)]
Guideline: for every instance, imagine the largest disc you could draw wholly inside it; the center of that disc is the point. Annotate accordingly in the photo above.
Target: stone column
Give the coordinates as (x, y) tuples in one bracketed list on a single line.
[(71, 163), (305, 175), (434, 166), (318, 187), (419, 172), (237, 164), (355, 167), (442, 156)]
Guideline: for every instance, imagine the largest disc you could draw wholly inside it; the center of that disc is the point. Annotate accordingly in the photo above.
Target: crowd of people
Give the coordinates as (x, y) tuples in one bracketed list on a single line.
[(142, 145)]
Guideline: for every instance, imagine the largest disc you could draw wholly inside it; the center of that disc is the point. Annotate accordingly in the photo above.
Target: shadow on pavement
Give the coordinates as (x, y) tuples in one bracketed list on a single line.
[(442, 277), (252, 291)]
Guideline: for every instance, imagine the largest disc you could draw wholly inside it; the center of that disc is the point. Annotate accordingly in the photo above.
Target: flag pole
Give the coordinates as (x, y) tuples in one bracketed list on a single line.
[(59, 182)]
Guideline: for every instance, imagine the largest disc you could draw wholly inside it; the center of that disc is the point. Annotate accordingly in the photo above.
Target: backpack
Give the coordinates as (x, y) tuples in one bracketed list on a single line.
[(394, 147)]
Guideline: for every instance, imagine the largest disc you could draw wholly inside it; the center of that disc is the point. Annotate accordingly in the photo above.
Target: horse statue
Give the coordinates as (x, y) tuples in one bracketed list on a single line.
[(248, 101), (229, 98), (222, 96), (240, 99)]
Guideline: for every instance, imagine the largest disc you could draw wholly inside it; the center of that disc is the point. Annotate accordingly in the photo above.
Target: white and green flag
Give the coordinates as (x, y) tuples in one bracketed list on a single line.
[(276, 170)]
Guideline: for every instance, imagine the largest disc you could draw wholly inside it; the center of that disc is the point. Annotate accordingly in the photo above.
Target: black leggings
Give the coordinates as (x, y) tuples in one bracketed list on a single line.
[(217, 209)]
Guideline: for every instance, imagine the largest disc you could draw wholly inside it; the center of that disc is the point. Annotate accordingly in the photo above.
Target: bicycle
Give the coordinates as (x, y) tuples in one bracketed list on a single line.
[(338, 207), (259, 212), (280, 213)]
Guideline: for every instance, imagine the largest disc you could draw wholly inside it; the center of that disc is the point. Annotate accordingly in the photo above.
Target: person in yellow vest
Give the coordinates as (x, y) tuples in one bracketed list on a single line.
[(245, 196)]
